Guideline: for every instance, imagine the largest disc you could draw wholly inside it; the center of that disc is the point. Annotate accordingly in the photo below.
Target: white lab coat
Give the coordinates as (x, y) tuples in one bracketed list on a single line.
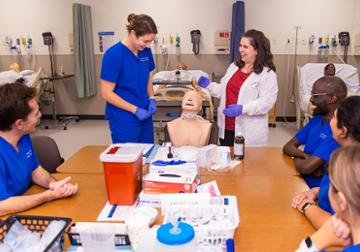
[(257, 95)]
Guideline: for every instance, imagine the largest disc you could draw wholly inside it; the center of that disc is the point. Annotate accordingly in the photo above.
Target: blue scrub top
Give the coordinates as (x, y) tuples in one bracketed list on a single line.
[(130, 73), (323, 197), (16, 167), (318, 141), (352, 248)]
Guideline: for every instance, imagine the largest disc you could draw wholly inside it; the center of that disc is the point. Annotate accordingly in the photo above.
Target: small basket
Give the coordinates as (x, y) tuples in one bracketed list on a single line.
[(37, 224), (207, 234)]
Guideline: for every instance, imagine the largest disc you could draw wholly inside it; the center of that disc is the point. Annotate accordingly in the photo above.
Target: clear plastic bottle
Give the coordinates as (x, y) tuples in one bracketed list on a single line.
[(239, 146)]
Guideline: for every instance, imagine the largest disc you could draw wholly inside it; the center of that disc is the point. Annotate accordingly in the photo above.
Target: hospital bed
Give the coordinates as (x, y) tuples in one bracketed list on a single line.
[(30, 78), (308, 74), (169, 89)]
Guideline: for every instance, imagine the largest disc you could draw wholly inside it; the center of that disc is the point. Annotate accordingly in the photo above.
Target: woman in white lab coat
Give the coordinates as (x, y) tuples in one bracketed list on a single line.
[(247, 92)]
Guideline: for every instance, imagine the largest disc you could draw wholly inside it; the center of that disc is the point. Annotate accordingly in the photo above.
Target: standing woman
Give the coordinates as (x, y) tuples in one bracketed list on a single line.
[(247, 92), (126, 83)]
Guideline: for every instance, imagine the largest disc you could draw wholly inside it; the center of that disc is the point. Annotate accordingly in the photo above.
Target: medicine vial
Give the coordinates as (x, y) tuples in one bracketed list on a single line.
[(239, 146)]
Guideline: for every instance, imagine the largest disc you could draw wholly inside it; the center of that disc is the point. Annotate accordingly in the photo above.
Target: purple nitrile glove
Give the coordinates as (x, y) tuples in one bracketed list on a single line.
[(152, 107), (233, 110), (142, 114), (203, 81)]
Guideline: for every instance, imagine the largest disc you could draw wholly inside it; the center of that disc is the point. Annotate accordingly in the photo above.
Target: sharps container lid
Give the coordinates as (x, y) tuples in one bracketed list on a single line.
[(186, 234), (121, 153)]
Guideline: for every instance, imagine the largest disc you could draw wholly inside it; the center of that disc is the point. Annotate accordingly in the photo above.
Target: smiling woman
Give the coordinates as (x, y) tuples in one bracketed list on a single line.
[(126, 83), (247, 92)]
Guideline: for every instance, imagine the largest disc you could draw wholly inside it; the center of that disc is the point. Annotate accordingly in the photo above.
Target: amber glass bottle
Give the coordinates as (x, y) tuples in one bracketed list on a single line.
[(239, 146)]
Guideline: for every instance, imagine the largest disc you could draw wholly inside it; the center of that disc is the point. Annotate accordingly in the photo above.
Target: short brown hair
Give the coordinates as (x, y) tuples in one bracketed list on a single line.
[(14, 103), (142, 24), (344, 172)]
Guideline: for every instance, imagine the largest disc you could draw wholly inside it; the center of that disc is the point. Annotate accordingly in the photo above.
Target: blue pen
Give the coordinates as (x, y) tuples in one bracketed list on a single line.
[(230, 245), (149, 151), (111, 213)]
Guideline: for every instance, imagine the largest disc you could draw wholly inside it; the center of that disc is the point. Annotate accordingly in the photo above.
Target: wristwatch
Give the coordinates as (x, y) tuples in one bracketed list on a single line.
[(306, 206), (308, 245)]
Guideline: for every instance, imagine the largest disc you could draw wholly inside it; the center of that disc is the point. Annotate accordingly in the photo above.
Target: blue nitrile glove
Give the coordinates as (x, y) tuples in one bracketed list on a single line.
[(203, 81), (142, 114), (233, 110), (152, 107)]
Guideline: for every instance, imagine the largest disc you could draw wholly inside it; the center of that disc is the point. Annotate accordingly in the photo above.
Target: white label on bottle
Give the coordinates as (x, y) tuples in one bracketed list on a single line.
[(238, 149)]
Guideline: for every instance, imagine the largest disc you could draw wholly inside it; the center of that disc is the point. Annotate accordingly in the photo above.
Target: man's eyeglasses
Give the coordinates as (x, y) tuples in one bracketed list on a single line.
[(318, 94)]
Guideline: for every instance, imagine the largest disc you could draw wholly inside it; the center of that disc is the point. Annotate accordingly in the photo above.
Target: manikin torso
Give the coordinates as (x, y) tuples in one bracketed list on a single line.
[(190, 129)]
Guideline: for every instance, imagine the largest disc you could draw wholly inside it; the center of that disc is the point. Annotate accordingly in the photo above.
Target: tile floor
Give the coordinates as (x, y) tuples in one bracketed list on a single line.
[(88, 132)]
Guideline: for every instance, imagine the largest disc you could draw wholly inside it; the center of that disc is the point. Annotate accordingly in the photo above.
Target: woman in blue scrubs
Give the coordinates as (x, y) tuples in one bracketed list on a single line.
[(126, 83)]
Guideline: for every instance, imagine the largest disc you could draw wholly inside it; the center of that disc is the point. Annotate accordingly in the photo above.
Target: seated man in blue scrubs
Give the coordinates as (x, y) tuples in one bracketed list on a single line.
[(327, 92), (19, 166)]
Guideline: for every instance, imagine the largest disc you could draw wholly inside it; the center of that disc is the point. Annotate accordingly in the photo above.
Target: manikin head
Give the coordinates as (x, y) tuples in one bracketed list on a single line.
[(191, 102)]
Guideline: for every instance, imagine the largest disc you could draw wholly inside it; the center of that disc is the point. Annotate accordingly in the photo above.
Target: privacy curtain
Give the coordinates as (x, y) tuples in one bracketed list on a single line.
[(85, 70), (237, 28)]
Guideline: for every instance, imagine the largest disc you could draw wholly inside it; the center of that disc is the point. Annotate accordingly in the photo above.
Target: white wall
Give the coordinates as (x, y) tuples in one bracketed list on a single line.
[(275, 17)]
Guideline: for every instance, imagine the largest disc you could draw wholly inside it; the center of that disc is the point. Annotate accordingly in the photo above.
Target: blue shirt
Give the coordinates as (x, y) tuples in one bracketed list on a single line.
[(323, 197), (16, 167), (130, 73), (352, 248), (318, 141)]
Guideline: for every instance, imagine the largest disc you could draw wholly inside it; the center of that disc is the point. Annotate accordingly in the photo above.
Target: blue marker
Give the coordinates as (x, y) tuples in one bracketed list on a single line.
[(112, 211), (230, 245)]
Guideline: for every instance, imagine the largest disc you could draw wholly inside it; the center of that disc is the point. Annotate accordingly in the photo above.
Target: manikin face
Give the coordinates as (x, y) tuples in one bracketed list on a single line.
[(192, 101), (142, 42), (28, 124), (247, 52)]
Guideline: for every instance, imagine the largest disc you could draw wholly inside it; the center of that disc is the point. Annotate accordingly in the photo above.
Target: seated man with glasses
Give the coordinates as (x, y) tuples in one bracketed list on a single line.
[(326, 94)]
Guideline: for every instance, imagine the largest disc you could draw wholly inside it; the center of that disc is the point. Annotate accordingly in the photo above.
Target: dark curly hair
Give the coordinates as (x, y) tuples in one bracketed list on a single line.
[(348, 115), (142, 24), (264, 56), (14, 103)]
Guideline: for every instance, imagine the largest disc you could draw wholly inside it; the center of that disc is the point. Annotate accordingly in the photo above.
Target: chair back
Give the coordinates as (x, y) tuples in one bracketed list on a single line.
[(47, 152)]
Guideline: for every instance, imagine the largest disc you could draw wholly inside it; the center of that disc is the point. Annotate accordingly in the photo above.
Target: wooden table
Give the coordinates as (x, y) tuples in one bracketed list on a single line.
[(85, 205), (258, 161), (84, 161), (266, 218), (264, 184), (267, 222)]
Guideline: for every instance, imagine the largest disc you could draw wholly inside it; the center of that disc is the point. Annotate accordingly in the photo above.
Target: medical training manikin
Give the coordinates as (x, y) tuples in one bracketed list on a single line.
[(190, 129)]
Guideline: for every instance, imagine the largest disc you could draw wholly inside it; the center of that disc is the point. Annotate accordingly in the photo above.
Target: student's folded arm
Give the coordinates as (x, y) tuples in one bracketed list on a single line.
[(308, 165), (317, 216), (291, 149)]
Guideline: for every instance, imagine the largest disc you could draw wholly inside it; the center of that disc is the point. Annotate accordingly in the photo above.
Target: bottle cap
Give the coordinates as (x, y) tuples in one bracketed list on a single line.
[(184, 235)]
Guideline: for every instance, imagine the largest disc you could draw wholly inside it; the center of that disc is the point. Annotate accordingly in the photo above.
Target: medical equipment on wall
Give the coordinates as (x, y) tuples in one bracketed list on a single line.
[(49, 41), (18, 46), (177, 45), (222, 42), (195, 40), (311, 39), (333, 41), (344, 40)]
